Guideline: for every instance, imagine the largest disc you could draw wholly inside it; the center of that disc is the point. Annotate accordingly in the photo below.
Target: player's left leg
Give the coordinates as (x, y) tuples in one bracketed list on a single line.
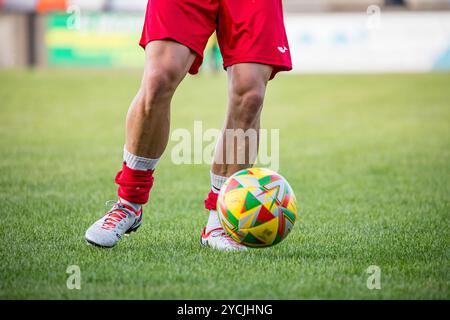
[(255, 48), (238, 145)]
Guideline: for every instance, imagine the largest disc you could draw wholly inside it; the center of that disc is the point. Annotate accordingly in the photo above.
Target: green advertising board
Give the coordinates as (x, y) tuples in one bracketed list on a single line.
[(94, 39), (103, 40)]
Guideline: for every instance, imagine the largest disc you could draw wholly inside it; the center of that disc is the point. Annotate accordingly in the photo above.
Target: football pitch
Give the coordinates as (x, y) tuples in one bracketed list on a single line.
[(368, 157)]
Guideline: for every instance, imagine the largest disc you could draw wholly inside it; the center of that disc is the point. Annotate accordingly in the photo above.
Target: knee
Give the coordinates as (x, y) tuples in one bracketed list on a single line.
[(246, 107), (157, 90)]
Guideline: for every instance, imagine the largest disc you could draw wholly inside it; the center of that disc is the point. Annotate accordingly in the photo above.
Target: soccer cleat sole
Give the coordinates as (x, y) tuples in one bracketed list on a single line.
[(92, 243), (131, 230)]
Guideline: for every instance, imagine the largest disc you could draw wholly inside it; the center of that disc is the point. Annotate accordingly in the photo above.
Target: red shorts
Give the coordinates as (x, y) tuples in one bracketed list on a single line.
[(247, 30)]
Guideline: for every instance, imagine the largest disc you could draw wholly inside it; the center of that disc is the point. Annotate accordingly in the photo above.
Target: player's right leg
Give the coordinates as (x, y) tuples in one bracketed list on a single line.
[(147, 134), (148, 118), (188, 25)]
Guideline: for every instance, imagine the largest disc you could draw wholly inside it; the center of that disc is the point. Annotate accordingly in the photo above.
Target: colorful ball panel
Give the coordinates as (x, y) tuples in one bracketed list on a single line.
[(257, 207)]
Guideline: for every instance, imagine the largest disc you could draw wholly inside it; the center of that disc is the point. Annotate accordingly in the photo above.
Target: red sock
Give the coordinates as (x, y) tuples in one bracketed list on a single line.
[(134, 185), (211, 201)]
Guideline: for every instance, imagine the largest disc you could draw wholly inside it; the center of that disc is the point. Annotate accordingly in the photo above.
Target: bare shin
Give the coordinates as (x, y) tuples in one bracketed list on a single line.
[(238, 145)]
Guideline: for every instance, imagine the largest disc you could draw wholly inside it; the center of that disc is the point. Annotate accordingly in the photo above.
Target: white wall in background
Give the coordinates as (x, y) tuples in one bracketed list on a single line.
[(396, 42), (20, 5), (88, 5)]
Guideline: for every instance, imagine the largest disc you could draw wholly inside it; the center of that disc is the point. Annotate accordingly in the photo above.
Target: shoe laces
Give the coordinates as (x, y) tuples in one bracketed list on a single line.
[(115, 215)]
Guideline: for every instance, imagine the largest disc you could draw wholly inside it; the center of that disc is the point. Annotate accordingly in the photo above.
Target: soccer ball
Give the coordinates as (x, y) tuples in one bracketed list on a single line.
[(257, 207)]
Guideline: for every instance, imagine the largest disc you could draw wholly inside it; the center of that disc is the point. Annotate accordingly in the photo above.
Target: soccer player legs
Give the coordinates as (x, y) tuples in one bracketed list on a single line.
[(254, 46), (147, 133)]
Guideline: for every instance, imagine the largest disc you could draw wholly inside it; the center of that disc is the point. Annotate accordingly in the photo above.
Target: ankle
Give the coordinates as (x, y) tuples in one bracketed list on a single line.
[(213, 221), (135, 206)]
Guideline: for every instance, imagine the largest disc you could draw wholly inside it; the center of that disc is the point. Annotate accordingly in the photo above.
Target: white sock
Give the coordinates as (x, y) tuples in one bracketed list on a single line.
[(217, 182), (137, 163), (213, 220)]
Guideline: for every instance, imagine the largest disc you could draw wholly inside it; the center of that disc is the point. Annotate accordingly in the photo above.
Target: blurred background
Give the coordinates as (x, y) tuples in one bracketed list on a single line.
[(364, 140), (363, 35)]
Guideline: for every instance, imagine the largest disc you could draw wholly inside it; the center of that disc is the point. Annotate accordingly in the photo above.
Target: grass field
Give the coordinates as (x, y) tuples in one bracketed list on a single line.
[(368, 158)]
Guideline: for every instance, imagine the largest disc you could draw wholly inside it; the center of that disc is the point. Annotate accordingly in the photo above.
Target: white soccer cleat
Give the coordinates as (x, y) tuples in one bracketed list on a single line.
[(108, 230), (218, 239)]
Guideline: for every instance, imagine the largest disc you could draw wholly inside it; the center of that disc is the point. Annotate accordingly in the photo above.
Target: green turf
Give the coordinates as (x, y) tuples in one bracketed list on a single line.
[(368, 158)]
